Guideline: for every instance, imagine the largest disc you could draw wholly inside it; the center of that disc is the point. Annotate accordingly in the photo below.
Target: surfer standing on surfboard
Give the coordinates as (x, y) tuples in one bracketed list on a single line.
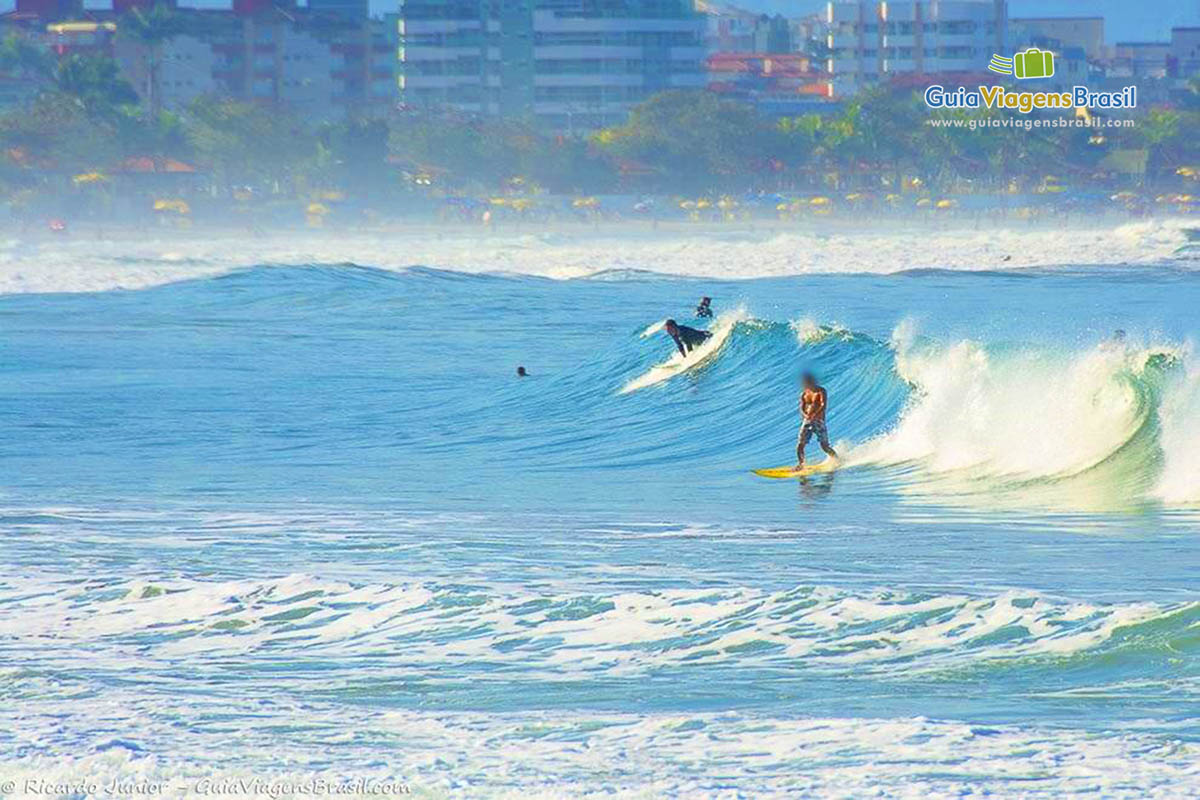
[(813, 401), (686, 339)]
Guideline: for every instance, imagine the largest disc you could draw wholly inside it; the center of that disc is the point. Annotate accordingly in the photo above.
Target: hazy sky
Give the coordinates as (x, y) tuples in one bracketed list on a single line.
[(1125, 20)]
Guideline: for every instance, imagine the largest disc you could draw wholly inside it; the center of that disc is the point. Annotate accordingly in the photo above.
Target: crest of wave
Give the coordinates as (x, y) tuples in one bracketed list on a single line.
[(1180, 440), (1012, 413)]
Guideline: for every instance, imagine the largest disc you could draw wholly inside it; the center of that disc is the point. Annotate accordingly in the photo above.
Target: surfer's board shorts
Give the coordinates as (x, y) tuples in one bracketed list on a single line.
[(808, 429)]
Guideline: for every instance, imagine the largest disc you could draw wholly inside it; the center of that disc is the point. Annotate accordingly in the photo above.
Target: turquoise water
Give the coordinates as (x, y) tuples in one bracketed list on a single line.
[(304, 519)]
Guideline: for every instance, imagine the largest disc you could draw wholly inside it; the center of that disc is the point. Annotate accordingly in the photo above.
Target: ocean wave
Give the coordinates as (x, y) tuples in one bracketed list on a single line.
[(337, 680), (563, 636), (90, 265), (1109, 426), (579, 754), (993, 418), (1179, 417)]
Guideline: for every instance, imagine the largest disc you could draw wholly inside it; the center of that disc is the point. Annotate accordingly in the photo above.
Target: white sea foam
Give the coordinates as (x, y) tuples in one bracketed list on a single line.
[(570, 754), (300, 677), (126, 262), (1180, 439), (552, 636), (987, 418)]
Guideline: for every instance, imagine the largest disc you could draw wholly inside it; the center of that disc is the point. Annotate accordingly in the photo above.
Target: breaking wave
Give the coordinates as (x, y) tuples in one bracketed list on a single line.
[(90, 265)]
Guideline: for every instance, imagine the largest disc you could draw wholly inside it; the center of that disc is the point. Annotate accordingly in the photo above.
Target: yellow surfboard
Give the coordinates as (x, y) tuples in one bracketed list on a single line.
[(828, 465)]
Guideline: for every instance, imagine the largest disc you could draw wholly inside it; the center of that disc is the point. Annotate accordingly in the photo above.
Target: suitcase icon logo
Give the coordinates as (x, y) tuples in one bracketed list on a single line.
[(1033, 63)]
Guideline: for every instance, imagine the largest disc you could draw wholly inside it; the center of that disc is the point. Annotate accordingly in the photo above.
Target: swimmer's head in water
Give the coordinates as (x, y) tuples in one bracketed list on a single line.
[(521, 373), (808, 380)]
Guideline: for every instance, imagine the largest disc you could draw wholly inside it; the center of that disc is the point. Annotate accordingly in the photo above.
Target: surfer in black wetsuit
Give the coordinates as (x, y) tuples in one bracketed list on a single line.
[(686, 339), (704, 310)]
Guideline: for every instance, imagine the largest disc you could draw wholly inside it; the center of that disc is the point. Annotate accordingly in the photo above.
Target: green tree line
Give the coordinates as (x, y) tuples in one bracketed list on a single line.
[(84, 117)]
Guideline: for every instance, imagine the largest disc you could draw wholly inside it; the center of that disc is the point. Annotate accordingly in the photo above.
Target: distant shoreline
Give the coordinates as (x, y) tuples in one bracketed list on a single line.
[(842, 223)]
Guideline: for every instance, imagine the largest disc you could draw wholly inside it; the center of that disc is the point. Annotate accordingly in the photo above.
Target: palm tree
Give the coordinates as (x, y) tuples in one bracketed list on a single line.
[(94, 84), (150, 30)]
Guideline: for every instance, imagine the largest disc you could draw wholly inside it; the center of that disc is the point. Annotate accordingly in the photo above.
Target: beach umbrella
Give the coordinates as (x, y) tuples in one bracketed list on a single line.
[(89, 177), (175, 206)]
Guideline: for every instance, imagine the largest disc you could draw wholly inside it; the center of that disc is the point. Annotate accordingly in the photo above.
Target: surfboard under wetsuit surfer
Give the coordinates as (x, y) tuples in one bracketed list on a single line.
[(686, 339)]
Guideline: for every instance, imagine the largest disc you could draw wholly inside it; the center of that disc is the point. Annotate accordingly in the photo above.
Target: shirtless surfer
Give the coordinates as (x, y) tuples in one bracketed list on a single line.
[(813, 402)]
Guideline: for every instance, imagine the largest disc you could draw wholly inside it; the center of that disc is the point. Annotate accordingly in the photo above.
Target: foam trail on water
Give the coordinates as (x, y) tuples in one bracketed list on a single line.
[(678, 363)]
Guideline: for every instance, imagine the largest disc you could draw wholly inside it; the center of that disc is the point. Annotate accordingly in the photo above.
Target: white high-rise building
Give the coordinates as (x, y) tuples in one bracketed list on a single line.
[(871, 40), (568, 65)]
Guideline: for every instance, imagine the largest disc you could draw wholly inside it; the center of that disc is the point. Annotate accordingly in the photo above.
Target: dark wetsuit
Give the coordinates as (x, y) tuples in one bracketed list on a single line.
[(689, 338)]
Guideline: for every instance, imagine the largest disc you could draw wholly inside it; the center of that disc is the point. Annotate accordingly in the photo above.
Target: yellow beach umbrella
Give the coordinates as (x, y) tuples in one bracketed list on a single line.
[(177, 206), (89, 177)]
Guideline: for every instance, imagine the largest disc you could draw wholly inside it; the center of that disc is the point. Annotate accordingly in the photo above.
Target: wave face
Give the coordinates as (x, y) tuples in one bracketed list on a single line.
[(304, 521)]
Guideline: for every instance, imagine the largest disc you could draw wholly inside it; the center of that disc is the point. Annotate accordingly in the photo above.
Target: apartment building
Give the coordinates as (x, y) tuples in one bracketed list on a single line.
[(1141, 59), (734, 30), (870, 41), (1084, 33), (293, 59), (1185, 52), (568, 65), (323, 61)]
